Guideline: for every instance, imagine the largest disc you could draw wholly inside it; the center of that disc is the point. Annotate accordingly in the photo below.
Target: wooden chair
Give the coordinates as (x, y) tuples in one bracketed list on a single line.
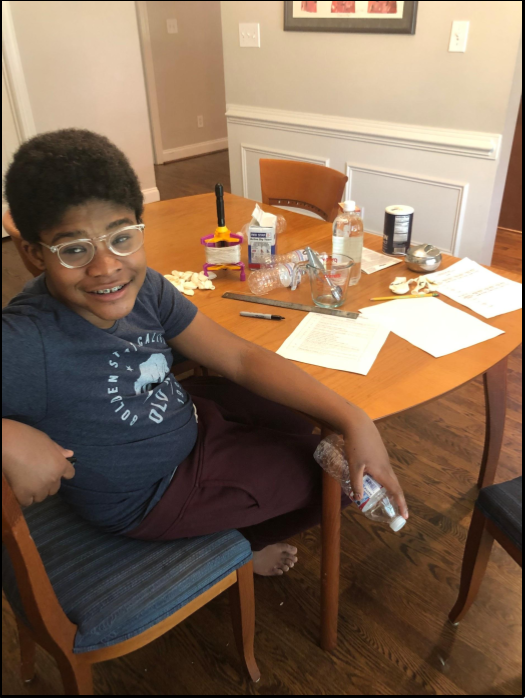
[(88, 596), (497, 515), (302, 185), (14, 233)]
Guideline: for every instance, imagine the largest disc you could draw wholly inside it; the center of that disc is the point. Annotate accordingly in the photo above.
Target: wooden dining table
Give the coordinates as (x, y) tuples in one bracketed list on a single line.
[(402, 377)]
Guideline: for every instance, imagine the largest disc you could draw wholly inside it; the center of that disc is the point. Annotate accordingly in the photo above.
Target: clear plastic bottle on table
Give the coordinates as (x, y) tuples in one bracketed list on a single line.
[(262, 281), (376, 503), (294, 257), (347, 237)]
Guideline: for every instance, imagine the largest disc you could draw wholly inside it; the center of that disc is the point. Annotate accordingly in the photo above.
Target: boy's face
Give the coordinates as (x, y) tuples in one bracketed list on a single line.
[(75, 287)]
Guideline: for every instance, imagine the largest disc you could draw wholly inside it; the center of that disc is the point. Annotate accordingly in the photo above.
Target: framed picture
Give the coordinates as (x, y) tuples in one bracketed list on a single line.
[(373, 16)]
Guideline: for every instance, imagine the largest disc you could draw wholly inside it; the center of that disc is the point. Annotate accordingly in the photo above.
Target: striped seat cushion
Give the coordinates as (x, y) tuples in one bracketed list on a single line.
[(112, 587)]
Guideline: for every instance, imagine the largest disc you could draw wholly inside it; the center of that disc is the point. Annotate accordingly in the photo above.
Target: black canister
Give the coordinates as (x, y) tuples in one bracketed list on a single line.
[(398, 224)]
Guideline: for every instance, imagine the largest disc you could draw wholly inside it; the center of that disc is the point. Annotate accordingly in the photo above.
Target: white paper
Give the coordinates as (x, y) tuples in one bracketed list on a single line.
[(335, 343), (374, 261), (485, 292), (264, 219), (431, 324)]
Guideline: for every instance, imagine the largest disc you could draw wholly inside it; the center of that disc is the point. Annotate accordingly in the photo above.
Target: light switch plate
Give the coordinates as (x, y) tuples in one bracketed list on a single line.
[(249, 35), (171, 25), (459, 37)]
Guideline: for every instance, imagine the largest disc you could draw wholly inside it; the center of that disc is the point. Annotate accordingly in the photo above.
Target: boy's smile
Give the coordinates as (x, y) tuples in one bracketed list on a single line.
[(105, 289)]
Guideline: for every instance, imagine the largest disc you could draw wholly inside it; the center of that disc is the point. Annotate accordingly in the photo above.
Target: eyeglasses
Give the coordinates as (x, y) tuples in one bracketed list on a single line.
[(80, 253)]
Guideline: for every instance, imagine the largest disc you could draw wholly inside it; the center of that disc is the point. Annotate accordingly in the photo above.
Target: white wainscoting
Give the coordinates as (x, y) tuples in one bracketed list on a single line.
[(447, 175), (439, 204), (474, 144)]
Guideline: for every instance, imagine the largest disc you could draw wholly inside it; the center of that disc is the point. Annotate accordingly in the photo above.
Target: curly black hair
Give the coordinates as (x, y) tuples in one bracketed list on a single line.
[(64, 168)]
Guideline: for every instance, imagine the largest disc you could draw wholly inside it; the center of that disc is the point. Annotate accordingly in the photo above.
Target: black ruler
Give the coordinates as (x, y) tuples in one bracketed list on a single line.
[(293, 306)]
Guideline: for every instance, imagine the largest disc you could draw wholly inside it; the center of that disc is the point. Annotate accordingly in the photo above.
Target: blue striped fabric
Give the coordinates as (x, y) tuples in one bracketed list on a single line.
[(112, 587)]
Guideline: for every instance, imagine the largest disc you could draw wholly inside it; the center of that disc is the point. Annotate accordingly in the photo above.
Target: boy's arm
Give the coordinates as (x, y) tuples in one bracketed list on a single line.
[(278, 379), (32, 463)]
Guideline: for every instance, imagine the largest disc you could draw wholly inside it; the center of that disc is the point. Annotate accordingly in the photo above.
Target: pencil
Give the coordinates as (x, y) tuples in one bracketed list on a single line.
[(410, 296)]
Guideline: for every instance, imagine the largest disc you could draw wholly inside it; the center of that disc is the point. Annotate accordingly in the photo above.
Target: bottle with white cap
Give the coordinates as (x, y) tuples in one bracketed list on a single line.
[(375, 503), (347, 237)]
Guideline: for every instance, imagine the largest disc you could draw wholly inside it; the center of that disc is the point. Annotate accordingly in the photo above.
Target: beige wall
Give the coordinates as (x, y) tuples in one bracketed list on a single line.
[(397, 78), (82, 66), (188, 69)]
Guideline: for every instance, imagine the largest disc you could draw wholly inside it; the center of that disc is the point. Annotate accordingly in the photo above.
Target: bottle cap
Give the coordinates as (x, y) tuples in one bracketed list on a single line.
[(397, 523), (349, 205)]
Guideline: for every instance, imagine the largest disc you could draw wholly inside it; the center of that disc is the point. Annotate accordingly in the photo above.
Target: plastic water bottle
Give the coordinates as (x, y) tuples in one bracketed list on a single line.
[(347, 237), (294, 257), (376, 503), (262, 281)]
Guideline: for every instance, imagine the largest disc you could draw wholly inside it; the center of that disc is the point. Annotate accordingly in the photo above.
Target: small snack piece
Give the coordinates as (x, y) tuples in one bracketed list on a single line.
[(423, 285), (400, 286), (187, 282)]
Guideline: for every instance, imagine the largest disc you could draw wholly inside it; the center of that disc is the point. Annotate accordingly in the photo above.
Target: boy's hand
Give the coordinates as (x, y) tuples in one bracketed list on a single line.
[(32, 462), (366, 453)]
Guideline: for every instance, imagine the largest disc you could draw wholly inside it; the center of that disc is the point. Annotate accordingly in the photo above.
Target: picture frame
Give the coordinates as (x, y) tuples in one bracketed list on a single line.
[(371, 17)]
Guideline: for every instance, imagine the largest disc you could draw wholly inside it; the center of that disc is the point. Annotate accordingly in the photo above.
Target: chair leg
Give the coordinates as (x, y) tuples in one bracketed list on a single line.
[(476, 556), (330, 561), (495, 392), (27, 652), (244, 618), (76, 676)]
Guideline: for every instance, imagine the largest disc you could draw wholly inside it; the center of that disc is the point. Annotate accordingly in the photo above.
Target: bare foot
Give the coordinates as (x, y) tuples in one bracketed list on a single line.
[(275, 559)]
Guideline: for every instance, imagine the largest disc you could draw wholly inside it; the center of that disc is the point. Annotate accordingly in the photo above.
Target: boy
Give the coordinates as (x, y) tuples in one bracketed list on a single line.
[(87, 348)]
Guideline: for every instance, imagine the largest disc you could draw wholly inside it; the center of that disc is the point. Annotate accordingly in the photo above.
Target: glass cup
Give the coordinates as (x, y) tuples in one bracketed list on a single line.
[(337, 269)]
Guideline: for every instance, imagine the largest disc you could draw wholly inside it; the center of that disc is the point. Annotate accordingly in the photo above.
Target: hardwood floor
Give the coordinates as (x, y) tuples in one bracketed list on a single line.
[(396, 589), (182, 178)]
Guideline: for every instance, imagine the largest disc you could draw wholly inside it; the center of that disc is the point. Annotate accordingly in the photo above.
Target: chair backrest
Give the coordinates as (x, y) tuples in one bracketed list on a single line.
[(302, 185), (41, 606), (9, 225)]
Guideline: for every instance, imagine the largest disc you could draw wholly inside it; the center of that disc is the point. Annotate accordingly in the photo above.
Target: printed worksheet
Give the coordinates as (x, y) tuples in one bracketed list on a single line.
[(375, 261), (485, 292), (346, 344)]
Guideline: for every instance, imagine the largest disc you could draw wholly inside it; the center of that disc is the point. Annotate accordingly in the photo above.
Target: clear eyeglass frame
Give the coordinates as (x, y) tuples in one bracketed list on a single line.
[(91, 243)]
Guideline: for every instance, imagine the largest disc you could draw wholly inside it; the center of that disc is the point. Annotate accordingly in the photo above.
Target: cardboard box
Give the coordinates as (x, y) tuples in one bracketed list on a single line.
[(261, 243)]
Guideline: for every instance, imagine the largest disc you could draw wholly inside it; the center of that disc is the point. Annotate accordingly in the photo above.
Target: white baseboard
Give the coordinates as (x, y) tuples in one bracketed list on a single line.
[(150, 195), (195, 149)]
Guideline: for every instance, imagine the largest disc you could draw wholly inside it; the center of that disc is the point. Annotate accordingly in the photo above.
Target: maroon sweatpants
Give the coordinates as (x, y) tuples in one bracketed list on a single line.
[(252, 469)]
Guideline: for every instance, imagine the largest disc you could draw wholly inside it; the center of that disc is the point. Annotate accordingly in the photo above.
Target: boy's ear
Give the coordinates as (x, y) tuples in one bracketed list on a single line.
[(34, 253)]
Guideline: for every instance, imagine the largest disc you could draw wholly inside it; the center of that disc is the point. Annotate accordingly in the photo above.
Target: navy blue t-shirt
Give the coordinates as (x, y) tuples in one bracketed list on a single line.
[(106, 394)]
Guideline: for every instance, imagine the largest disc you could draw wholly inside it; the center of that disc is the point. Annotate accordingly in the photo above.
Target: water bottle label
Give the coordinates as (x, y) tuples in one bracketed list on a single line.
[(370, 488), (388, 507)]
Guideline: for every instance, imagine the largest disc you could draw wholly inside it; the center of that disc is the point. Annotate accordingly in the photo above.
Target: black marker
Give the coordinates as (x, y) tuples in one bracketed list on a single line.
[(265, 316)]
